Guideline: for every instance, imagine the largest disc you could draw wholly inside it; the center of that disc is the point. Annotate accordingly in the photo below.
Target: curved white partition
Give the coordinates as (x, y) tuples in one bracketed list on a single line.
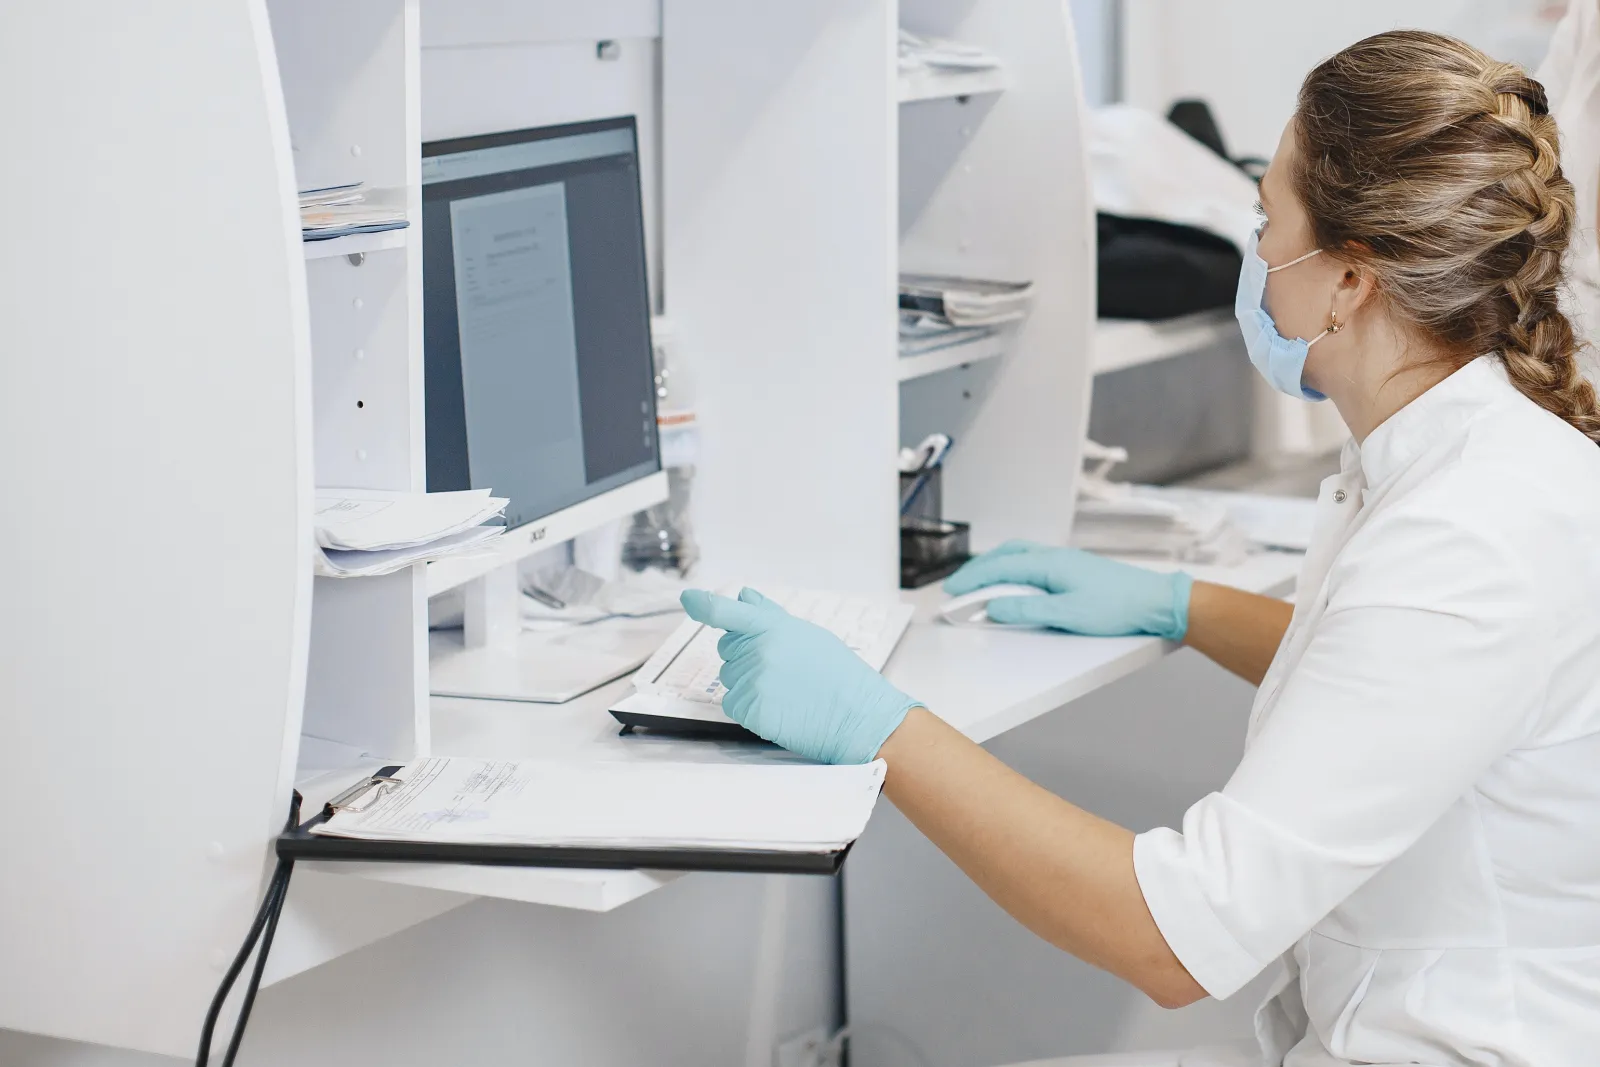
[(997, 186), (157, 485)]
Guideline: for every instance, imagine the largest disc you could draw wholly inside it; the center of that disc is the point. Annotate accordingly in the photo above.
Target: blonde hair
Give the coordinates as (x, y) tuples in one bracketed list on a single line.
[(1437, 169)]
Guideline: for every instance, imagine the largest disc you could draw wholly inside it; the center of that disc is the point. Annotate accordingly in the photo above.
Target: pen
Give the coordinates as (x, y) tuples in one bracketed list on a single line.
[(937, 446)]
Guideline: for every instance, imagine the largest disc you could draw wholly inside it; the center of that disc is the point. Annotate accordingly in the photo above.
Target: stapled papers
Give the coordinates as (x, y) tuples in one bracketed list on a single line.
[(365, 532)]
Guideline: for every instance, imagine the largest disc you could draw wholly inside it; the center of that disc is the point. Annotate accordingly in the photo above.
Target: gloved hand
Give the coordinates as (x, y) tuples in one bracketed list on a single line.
[(1089, 594), (795, 684)]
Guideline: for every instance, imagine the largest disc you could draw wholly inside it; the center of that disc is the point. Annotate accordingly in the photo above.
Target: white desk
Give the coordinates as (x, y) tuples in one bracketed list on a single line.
[(986, 681), (982, 681)]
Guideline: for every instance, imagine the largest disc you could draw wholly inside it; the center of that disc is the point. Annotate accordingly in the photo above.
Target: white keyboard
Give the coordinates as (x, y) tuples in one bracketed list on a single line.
[(686, 666)]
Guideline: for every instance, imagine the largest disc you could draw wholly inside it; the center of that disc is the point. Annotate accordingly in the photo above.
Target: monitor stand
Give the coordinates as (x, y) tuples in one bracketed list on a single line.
[(495, 659)]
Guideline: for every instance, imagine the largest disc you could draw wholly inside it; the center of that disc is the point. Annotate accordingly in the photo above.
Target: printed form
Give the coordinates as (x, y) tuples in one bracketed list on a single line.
[(794, 807)]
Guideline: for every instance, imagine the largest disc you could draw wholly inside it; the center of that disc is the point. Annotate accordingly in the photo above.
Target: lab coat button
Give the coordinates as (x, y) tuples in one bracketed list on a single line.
[(1338, 496)]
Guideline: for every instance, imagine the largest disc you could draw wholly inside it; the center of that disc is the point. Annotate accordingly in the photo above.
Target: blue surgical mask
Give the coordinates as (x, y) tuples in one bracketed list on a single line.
[(1281, 360)]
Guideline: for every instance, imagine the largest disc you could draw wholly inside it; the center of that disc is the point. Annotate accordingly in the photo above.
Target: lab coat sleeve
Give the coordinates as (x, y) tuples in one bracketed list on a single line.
[(1425, 668)]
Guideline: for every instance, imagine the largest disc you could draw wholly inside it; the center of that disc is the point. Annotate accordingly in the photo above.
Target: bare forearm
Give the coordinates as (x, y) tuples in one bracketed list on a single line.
[(1065, 874), (1239, 631)]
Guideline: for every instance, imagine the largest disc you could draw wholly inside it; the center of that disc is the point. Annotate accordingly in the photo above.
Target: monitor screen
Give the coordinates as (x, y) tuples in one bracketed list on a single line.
[(536, 313)]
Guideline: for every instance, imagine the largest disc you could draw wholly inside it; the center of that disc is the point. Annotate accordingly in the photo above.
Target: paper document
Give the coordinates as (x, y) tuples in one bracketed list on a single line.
[(343, 563), (965, 301), (617, 805), (1282, 522), (1197, 525), (1120, 519), (373, 519), (920, 334), (916, 53), (362, 533), (332, 195), (340, 210)]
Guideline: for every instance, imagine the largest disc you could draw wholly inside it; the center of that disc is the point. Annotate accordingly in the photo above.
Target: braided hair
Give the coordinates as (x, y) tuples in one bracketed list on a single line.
[(1438, 170)]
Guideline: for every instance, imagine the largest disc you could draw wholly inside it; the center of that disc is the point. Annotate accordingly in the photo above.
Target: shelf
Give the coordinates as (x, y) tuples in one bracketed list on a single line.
[(356, 243), (922, 85), (1123, 343), (920, 366), (558, 887)]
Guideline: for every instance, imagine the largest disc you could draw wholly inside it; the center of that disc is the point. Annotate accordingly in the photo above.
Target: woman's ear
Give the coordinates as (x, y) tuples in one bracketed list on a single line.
[(1354, 289), (1356, 286)]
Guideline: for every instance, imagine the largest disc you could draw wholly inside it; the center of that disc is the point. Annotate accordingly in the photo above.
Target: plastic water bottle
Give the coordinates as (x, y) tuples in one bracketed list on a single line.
[(661, 537)]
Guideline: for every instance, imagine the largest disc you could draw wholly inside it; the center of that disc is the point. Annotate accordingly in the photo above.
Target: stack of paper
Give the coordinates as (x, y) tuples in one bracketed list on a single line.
[(917, 53), (780, 808), (920, 333), (366, 532), (1281, 522), (340, 210), (964, 301), (1135, 520)]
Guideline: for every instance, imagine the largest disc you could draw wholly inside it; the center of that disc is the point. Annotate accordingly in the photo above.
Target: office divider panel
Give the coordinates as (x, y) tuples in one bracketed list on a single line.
[(157, 491)]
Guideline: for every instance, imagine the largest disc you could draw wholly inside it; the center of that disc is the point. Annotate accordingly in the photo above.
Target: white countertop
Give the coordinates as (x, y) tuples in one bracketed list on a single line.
[(983, 681)]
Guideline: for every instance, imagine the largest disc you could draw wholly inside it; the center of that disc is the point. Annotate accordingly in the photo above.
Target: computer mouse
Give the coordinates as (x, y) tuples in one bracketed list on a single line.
[(970, 609)]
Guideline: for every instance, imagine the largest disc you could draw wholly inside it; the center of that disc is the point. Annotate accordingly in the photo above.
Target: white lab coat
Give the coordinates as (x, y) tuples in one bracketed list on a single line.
[(1571, 77), (1415, 825)]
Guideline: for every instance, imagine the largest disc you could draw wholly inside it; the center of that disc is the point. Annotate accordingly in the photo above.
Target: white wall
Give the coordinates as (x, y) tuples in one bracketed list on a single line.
[(1248, 57), (472, 89)]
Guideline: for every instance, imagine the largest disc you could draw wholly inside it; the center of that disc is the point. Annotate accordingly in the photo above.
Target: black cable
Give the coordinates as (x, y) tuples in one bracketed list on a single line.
[(228, 979), (841, 963), (262, 929), (281, 879)]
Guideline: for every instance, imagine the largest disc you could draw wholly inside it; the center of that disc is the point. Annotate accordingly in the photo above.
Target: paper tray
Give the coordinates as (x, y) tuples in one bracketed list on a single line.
[(302, 844)]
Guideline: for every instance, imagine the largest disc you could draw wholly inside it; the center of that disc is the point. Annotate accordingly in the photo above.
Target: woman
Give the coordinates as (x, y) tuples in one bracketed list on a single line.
[(1413, 827)]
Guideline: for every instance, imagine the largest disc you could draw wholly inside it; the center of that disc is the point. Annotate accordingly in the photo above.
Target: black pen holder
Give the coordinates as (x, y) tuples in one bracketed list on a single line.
[(931, 547)]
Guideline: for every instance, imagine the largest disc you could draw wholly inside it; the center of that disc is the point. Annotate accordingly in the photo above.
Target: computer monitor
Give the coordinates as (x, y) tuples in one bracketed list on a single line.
[(536, 336)]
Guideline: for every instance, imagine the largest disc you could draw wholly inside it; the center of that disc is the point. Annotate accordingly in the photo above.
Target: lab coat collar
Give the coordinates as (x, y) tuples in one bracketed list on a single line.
[(1436, 417)]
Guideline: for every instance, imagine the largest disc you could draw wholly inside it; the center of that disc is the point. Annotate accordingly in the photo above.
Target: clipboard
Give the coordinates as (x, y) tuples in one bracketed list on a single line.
[(300, 843)]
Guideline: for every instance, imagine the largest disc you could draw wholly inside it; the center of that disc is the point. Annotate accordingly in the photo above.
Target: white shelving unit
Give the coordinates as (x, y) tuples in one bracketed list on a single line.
[(230, 654), (916, 86), (1123, 343), (812, 151), (796, 181), (994, 184), (366, 686)]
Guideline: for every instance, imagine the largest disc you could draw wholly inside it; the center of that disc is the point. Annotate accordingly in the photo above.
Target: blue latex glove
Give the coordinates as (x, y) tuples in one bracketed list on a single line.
[(1088, 594), (795, 684)]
